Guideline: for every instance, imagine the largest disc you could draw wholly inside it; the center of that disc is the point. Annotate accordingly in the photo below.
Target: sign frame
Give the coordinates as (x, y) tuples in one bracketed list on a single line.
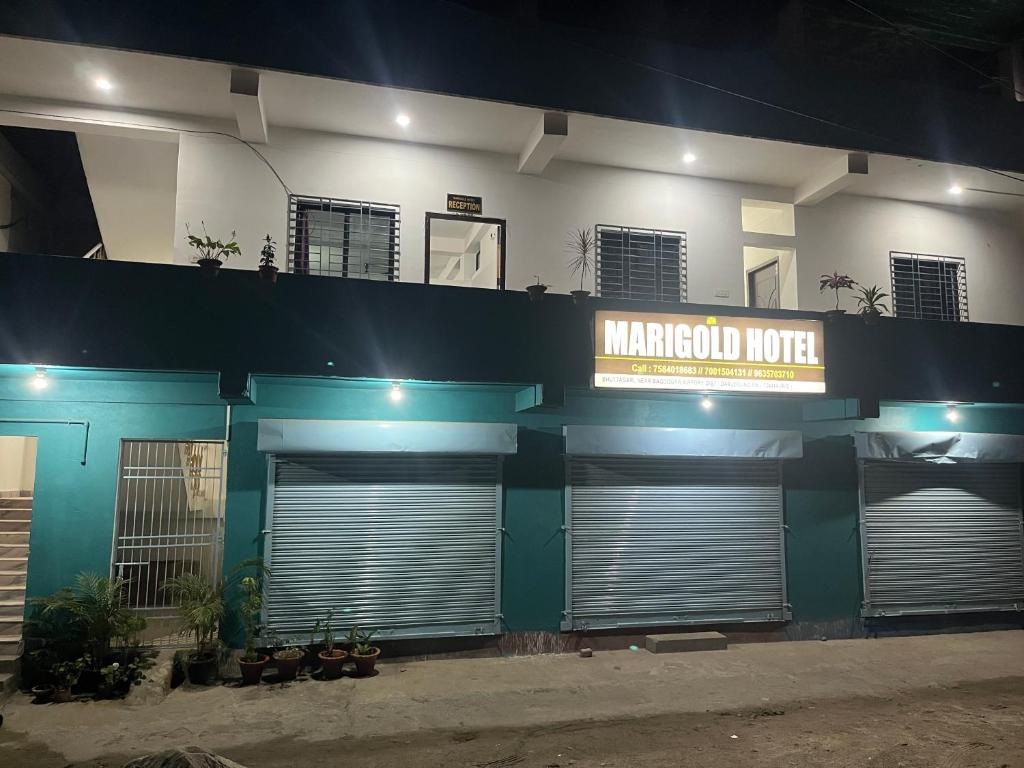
[(466, 205), (786, 356)]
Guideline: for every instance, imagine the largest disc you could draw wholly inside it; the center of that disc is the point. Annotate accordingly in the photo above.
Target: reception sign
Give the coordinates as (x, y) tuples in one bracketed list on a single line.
[(651, 350)]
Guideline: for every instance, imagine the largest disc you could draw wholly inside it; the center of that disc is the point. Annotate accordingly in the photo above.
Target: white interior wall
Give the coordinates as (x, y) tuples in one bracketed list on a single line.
[(17, 464), (132, 183), (225, 184), (754, 257)]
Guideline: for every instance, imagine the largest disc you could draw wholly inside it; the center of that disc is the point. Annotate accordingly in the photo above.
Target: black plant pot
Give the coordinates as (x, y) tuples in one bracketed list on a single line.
[(833, 315), (579, 297), (871, 318), (536, 292), (210, 267), (268, 274), (202, 669)]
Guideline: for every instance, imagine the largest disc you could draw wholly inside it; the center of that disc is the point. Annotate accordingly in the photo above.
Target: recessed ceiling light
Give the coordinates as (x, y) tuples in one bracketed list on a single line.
[(39, 380), (103, 84), (396, 392), (689, 157), (403, 120), (956, 189), (952, 414)]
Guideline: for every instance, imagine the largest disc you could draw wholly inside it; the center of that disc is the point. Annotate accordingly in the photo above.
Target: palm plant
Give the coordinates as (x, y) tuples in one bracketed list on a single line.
[(870, 300), (581, 245), (202, 605), (95, 605)]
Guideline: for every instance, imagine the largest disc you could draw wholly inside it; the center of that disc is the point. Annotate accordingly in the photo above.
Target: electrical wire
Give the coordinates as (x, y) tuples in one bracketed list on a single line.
[(937, 48), (736, 94), (148, 126)]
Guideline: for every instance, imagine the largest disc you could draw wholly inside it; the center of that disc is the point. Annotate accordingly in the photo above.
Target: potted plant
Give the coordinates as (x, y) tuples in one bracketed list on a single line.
[(331, 659), (268, 272), (581, 244), (363, 654), (251, 663), (871, 305), (288, 661), (536, 291), (835, 282), (65, 677), (210, 253), (201, 605)]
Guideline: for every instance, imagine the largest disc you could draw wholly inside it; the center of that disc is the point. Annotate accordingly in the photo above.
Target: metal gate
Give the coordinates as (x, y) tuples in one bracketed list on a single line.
[(408, 545), (941, 538), (169, 521), (673, 541)]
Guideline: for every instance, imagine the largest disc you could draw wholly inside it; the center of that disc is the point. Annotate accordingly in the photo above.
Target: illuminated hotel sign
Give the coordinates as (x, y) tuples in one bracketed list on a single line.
[(648, 350)]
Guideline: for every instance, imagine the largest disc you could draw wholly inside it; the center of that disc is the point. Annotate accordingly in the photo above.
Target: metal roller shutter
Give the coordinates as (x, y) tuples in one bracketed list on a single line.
[(406, 544), (674, 541), (941, 538)]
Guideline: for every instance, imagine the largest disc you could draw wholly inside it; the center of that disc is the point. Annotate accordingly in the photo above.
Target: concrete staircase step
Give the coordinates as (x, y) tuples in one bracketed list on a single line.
[(8, 664), (6, 682), (13, 579), (14, 514), (13, 550), (16, 501), (10, 627), (687, 641)]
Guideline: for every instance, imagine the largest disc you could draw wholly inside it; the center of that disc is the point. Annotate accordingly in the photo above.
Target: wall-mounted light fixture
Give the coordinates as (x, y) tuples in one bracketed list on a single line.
[(40, 380), (707, 403), (396, 392), (952, 414)]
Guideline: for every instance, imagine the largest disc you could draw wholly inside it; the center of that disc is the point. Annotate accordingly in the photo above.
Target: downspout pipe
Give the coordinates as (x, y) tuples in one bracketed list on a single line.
[(67, 422)]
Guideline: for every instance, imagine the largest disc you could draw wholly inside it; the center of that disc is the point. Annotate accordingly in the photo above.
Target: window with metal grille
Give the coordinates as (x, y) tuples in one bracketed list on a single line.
[(928, 287), (343, 238), (641, 264)]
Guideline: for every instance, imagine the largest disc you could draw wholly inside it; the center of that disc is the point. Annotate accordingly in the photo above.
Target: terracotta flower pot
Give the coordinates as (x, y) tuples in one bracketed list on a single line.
[(252, 671), (332, 662), (365, 662), (287, 666), (579, 297), (210, 267)]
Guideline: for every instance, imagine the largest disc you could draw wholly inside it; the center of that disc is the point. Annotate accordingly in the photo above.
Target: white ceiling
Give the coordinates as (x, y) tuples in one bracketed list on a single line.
[(148, 83)]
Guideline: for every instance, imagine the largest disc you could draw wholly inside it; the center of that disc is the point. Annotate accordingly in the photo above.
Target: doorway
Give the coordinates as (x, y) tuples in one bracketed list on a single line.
[(467, 251), (770, 277), (17, 479)]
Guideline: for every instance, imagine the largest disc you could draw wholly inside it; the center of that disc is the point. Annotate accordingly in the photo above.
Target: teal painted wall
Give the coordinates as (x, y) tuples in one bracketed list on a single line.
[(74, 506)]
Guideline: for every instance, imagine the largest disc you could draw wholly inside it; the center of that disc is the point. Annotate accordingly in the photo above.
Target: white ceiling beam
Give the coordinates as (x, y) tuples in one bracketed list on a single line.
[(546, 137), (247, 100), (835, 177)]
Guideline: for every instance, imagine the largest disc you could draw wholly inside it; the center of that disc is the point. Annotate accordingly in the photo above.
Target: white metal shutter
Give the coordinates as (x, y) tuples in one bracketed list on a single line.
[(404, 544), (941, 538), (674, 541)]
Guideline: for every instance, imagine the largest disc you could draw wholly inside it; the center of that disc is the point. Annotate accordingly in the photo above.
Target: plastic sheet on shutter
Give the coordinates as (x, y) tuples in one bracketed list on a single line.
[(941, 538), (674, 541), (405, 544)]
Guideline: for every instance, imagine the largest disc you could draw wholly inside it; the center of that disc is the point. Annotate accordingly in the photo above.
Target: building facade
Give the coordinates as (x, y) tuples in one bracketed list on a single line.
[(412, 441)]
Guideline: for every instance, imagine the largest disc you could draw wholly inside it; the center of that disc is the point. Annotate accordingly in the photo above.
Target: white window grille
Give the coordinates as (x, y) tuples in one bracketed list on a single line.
[(928, 287)]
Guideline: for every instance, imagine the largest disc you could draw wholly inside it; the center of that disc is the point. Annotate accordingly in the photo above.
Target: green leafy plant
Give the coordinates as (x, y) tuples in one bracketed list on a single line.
[(581, 244), (250, 609), (359, 640), (836, 282), (208, 248), (66, 674), (118, 677), (202, 605), (94, 608), (327, 630), (268, 253), (870, 300)]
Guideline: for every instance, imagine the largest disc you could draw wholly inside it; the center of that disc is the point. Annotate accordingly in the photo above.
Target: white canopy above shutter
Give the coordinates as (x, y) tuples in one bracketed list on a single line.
[(940, 447), (678, 441)]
